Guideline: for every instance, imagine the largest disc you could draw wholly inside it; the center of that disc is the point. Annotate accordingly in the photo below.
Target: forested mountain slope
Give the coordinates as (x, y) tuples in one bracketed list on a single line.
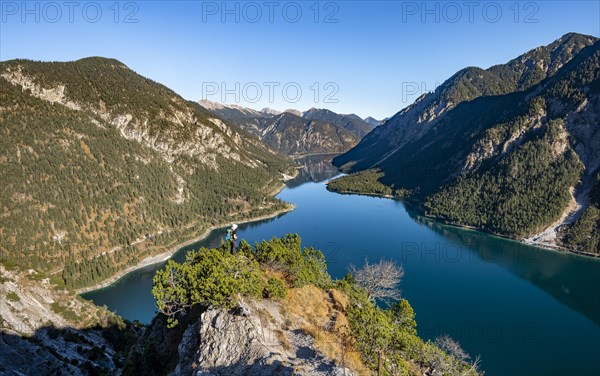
[(352, 122), (101, 167), (510, 163), (417, 119)]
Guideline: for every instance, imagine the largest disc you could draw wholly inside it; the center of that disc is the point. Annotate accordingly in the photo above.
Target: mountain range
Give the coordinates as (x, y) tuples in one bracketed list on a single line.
[(291, 132), (513, 149), (102, 168)]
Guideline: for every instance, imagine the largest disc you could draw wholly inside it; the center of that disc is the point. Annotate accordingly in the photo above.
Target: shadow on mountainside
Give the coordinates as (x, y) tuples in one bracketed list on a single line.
[(131, 348)]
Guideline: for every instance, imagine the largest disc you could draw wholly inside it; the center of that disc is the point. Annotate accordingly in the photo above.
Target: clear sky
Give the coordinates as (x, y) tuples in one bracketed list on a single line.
[(364, 57)]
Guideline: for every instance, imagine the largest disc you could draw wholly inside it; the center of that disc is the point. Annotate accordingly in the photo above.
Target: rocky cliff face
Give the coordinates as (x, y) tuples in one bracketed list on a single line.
[(264, 338), (295, 135), (46, 331), (174, 129), (254, 342), (299, 335)]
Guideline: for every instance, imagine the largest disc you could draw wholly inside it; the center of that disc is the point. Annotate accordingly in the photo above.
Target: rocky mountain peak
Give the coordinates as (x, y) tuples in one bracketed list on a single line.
[(270, 111), (293, 111), (373, 122)]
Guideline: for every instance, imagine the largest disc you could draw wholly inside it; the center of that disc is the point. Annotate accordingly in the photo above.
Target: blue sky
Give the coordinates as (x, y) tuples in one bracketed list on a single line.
[(364, 57)]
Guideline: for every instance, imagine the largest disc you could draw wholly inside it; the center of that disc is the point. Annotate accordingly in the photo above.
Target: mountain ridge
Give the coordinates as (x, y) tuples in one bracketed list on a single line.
[(132, 166), (417, 118), (478, 149), (294, 133)]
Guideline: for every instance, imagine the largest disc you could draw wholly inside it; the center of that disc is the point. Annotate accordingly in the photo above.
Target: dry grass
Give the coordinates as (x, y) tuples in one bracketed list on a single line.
[(322, 315), (270, 271), (87, 151), (283, 339), (339, 299), (265, 317), (310, 303)]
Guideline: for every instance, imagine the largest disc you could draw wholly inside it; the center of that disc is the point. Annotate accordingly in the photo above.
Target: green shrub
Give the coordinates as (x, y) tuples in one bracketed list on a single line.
[(12, 296), (207, 277), (64, 312), (313, 269), (403, 316), (217, 278), (275, 288), (214, 277), (36, 276), (305, 267), (245, 249), (392, 332), (56, 308)]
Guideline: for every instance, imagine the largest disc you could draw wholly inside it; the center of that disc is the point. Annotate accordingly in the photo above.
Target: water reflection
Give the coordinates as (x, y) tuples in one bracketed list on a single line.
[(572, 279), (315, 168)]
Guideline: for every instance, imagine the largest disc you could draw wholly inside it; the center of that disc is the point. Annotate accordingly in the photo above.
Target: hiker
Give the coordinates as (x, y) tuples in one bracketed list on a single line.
[(231, 237)]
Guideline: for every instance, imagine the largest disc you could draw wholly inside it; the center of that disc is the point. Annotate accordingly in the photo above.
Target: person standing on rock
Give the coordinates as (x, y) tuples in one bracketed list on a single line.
[(231, 237)]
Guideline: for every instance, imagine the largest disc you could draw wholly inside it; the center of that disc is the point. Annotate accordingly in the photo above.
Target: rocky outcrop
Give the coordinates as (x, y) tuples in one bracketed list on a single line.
[(257, 341), (46, 331), (21, 357), (28, 304), (55, 94)]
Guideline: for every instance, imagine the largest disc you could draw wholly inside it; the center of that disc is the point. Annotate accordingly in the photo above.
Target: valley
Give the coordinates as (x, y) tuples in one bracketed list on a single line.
[(460, 235), (510, 300)]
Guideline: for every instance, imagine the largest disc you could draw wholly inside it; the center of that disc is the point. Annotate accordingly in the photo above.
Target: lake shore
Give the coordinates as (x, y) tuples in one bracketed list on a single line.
[(526, 241), (380, 195), (161, 257), (300, 156)]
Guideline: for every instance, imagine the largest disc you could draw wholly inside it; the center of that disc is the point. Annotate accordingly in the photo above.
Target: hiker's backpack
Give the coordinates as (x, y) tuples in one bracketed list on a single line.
[(228, 236)]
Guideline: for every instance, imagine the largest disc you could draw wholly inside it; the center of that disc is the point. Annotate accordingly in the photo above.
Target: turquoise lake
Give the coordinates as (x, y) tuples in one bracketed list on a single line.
[(524, 310)]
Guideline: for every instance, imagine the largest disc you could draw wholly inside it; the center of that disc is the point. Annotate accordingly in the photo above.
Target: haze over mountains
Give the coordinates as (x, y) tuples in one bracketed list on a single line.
[(294, 133), (501, 149), (374, 122)]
